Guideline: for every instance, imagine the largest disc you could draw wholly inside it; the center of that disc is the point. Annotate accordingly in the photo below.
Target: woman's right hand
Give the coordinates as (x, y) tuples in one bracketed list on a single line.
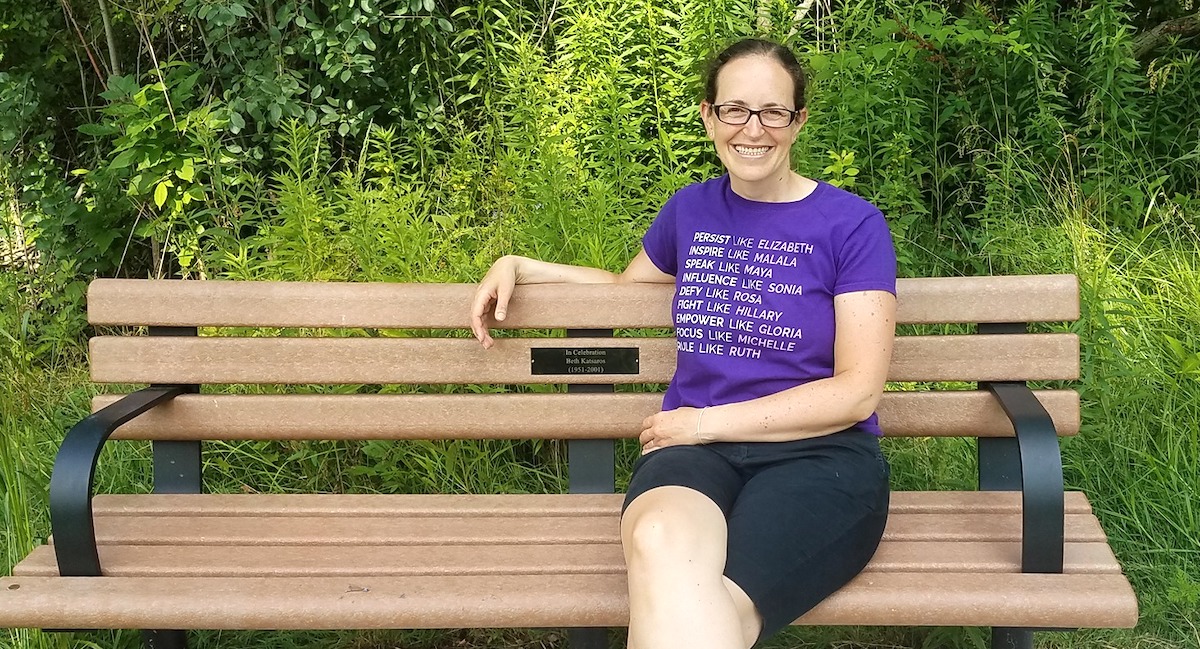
[(497, 286), (491, 297)]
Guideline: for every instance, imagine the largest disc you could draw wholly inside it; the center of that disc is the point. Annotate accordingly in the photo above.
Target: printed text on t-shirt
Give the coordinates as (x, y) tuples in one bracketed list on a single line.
[(722, 300)]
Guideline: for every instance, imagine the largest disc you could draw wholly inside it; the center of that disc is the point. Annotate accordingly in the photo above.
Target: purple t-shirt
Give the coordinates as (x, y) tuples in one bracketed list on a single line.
[(754, 286)]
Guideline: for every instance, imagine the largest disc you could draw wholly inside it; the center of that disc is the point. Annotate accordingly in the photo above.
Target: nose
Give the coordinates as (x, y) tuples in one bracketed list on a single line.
[(755, 125)]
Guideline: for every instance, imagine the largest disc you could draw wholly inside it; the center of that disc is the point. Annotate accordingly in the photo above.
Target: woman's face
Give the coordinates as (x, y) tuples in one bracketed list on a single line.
[(751, 152)]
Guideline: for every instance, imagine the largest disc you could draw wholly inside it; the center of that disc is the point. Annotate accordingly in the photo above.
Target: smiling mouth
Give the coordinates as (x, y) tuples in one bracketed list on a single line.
[(751, 151)]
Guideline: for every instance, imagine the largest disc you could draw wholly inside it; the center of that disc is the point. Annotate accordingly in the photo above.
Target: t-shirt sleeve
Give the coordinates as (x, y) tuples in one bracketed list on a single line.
[(868, 260), (659, 240)]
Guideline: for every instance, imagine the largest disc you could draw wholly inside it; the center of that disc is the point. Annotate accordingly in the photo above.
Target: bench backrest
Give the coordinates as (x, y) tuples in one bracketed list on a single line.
[(332, 333)]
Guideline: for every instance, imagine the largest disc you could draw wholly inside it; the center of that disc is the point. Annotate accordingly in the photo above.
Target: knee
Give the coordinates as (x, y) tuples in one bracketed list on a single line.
[(672, 529), (650, 534)]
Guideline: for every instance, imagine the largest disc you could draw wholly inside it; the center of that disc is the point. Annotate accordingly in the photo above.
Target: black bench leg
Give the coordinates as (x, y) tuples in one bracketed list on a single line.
[(587, 638), (1007, 638), (164, 639)]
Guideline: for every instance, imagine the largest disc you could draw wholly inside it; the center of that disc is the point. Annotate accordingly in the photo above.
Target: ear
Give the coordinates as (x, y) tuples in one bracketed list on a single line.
[(798, 125), (706, 116)]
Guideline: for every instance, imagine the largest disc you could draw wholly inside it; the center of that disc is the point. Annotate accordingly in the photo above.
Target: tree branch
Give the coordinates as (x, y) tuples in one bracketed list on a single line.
[(114, 62), (83, 41), (1147, 42)]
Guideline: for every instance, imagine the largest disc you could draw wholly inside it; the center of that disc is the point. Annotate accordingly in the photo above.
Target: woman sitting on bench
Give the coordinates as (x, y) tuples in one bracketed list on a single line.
[(761, 488)]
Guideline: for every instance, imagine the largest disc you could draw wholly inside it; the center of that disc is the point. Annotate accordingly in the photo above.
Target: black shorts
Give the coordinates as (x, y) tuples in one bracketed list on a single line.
[(804, 517)]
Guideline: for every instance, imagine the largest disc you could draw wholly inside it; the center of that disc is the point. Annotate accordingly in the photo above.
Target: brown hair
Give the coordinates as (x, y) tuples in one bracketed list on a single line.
[(757, 47)]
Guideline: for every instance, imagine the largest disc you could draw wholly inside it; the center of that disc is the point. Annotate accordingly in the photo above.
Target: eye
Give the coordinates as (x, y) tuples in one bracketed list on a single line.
[(735, 112), (776, 115)]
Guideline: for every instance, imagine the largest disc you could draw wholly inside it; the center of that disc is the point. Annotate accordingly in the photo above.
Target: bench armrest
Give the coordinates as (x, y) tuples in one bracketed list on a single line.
[(74, 471), (1041, 477)]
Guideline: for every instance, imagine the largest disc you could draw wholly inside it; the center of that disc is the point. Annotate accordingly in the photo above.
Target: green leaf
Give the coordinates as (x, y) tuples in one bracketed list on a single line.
[(124, 159), (183, 90), (160, 193), (98, 130), (1176, 347), (187, 171), (119, 88)]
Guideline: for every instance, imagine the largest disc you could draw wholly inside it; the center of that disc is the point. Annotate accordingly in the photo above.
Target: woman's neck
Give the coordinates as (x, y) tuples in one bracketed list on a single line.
[(791, 186)]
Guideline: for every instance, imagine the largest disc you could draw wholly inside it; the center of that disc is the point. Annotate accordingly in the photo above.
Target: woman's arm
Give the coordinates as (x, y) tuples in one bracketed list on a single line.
[(496, 288), (866, 326)]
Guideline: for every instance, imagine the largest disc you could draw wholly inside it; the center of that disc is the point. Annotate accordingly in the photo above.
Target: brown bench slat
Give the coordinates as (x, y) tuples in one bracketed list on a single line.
[(982, 599), (330, 530), (1028, 298), (144, 359), (598, 558), (334, 560), (524, 416), (480, 505), (1044, 298), (985, 556), (359, 505)]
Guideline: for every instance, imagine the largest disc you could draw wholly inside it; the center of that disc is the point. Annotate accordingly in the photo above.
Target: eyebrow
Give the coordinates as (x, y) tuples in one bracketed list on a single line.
[(770, 104)]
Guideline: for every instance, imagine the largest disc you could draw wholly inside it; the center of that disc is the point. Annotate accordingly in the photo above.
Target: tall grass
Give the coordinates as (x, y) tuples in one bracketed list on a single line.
[(35, 402), (1138, 453)]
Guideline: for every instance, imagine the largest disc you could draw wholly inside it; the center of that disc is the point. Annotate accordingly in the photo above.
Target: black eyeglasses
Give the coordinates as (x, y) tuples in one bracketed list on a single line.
[(737, 115)]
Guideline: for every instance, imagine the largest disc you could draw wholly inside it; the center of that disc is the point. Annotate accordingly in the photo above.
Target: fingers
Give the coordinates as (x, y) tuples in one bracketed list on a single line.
[(648, 434), (493, 295), (503, 292), (646, 437), (656, 433), (668, 428), (479, 309)]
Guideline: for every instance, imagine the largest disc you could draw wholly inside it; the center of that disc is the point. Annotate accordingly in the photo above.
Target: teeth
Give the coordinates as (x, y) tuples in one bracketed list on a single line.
[(751, 150)]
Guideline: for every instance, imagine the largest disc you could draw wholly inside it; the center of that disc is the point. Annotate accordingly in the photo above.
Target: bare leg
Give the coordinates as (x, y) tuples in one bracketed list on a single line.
[(674, 540), (752, 622)]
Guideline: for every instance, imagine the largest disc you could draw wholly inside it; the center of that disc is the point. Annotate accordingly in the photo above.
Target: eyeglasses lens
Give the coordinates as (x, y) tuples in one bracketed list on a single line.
[(735, 115)]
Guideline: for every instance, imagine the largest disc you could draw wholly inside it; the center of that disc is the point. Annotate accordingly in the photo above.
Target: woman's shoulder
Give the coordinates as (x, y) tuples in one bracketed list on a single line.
[(694, 197), (843, 201), (702, 189)]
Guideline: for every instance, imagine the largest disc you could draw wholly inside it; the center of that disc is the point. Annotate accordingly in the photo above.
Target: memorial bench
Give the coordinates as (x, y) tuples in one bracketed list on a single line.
[(1018, 555)]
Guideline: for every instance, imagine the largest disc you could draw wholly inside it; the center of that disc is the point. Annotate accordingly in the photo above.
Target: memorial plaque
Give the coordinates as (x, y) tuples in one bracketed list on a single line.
[(584, 360)]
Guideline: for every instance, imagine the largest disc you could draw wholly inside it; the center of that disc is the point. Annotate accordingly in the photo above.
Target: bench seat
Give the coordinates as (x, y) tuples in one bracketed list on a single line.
[(429, 561), (1019, 555), (262, 603)]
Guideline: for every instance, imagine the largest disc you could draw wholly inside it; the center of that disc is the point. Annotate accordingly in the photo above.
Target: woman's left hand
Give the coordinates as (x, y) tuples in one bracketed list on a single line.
[(670, 428)]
